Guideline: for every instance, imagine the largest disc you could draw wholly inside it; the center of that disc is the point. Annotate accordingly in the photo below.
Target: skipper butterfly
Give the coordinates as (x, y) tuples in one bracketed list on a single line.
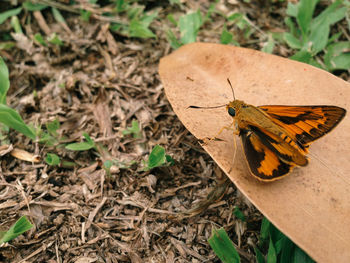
[(276, 138)]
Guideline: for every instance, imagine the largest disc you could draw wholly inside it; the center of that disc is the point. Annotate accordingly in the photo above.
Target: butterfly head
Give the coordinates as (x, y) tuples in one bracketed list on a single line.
[(234, 107)]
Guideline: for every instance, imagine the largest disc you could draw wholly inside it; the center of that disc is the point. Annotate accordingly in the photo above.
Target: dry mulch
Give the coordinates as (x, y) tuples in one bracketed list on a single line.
[(97, 83)]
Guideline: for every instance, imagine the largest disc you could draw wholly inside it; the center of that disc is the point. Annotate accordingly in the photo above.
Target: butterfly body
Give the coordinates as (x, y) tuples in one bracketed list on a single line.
[(276, 138)]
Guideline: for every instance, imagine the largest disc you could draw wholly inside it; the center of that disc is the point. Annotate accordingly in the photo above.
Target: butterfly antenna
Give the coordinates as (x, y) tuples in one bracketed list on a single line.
[(233, 92), (210, 107)]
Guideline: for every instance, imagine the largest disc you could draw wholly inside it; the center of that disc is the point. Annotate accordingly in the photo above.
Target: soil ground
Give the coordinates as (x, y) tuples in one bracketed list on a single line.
[(97, 83)]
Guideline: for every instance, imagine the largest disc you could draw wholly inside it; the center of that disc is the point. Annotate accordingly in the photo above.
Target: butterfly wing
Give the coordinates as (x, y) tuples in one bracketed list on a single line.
[(264, 160), (305, 123)]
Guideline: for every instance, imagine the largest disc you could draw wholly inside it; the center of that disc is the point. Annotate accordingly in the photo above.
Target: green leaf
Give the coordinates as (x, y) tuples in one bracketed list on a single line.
[(16, 25), (22, 225), (52, 159), (7, 45), (211, 10), (226, 37), (53, 126), (139, 28), (156, 157), (287, 250), (134, 130), (292, 28), (302, 56), (85, 15), (239, 214), (292, 9), (54, 39), (338, 56), (330, 15), (4, 81), (169, 159), (57, 15), (269, 45), (172, 19), (292, 41), (5, 15), (82, 146), (39, 39), (189, 26), (319, 37), (259, 256), (301, 257), (264, 230), (305, 11), (174, 43), (12, 119), (33, 7), (223, 246), (271, 254)]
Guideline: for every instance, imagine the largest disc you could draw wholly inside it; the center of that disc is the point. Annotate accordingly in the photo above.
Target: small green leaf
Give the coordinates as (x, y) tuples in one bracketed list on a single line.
[(156, 157), (134, 130), (7, 14), (172, 19), (223, 246), (287, 250), (22, 225), (304, 16), (226, 37), (302, 56), (39, 39), (259, 256), (33, 7), (319, 37), (292, 41), (53, 126), (108, 164), (54, 39), (52, 159), (269, 45), (331, 14), (57, 15), (12, 119), (139, 27), (264, 230), (16, 25), (271, 254), (169, 159), (82, 146), (85, 15), (7, 45), (239, 214), (4, 81), (189, 26), (292, 28), (338, 56), (292, 9), (301, 256), (174, 43)]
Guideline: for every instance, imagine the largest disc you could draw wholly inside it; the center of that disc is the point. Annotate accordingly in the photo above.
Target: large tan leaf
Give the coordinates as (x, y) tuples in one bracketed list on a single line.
[(312, 204)]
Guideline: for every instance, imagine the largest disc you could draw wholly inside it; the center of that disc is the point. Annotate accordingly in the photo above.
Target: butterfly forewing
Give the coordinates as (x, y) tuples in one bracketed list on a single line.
[(306, 123)]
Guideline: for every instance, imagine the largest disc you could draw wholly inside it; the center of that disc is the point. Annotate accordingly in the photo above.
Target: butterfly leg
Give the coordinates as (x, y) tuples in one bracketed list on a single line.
[(209, 139)]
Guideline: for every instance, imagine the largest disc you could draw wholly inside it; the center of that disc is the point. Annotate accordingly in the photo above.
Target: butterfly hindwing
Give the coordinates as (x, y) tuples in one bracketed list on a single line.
[(306, 123), (264, 160)]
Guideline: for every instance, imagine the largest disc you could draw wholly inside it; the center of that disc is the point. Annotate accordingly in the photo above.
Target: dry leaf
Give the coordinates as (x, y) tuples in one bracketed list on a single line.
[(312, 204), (25, 156), (5, 149)]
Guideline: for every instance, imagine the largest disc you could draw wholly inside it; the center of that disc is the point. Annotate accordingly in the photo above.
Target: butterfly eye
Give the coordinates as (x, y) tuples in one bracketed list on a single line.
[(232, 112)]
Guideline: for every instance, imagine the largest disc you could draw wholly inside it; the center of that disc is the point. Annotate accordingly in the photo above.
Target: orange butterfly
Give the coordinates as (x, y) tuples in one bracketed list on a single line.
[(276, 138)]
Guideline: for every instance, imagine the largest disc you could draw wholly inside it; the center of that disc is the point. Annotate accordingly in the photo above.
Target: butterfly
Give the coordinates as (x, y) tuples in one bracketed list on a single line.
[(276, 138)]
